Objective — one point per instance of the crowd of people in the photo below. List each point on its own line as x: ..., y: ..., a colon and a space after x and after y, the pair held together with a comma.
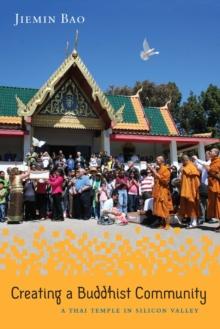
x: 103, y: 187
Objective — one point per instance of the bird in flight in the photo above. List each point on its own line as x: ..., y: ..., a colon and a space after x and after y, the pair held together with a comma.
x: 36, y: 142
x: 147, y: 51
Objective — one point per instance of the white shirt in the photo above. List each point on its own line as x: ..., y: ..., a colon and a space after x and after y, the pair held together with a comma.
x: 108, y: 205
x: 204, y: 174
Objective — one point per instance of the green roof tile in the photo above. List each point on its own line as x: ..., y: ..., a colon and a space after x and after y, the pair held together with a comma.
x: 157, y: 124
x: 8, y: 105
x: 129, y: 115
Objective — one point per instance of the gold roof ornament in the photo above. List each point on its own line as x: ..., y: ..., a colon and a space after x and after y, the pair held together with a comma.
x: 49, y: 87
x: 119, y: 114
x: 21, y: 106
x: 76, y: 38
x: 138, y: 92
x: 166, y: 106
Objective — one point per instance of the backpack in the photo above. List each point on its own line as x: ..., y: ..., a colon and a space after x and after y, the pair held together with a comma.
x: 105, y: 220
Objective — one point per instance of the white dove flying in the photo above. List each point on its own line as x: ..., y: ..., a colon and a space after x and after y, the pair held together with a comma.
x: 147, y: 52
x: 36, y: 142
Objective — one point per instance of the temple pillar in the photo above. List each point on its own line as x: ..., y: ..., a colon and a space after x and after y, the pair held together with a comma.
x: 105, y: 140
x: 27, y: 140
x: 201, y: 151
x: 173, y: 153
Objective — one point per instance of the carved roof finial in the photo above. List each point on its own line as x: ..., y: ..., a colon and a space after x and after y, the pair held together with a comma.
x: 67, y: 48
x: 138, y: 92
x: 168, y: 103
x: 75, y: 52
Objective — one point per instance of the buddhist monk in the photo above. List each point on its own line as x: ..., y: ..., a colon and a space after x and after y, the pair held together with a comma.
x: 213, y: 169
x: 189, y: 191
x: 161, y: 193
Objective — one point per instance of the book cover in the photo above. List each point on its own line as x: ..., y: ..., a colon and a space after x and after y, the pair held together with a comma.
x: 85, y: 76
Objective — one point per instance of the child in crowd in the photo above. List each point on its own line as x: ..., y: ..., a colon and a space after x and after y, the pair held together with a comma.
x: 3, y: 193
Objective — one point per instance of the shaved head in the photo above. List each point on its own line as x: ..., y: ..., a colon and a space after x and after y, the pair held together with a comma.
x: 160, y: 159
x: 214, y: 153
x: 185, y: 159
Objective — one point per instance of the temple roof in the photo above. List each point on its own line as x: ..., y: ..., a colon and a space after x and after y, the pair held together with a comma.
x: 136, y: 119
x: 8, y: 106
x: 133, y: 112
x: 132, y: 109
x: 72, y: 66
x: 161, y: 121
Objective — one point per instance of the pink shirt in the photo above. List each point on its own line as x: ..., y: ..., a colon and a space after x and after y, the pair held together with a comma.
x: 56, y: 184
x: 133, y: 189
x: 103, y: 195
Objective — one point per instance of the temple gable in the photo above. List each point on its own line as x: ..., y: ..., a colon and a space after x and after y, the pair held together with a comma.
x: 68, y: 101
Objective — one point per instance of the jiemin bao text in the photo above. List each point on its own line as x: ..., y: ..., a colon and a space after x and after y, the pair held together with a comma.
x: 62, y: 18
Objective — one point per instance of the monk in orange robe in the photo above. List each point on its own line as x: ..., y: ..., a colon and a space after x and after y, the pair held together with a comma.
x: 189, y: 191
x: 213, y: 169
x: 162, y: 205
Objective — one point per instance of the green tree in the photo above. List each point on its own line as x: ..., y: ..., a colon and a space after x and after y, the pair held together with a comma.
x: 152, y: 94
x: 210, y: 100
x: 192, y: 117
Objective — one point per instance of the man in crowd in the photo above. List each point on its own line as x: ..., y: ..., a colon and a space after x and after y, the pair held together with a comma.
x: 121, y: 184
x: 79, y: 161
x: 110, y: 209
x: 189, y: 191
x: 31, y: 157
x: 203, y: 189
x: 132, y: 168
x: 83, y: 195
x: 214, y: 186
x: 162, y: 204
x: 70, y: 164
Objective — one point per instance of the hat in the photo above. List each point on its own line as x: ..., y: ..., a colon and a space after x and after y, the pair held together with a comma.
x: 93, y: 170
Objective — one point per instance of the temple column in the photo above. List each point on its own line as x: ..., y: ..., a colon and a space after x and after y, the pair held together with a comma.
x: 105, y: 140
x: 27, y: 140
x: 173, y: 154
x: 201, y: 151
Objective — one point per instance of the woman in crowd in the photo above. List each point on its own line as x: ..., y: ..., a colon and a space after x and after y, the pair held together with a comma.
x: 29, y: 196
x: 96, y: 202
x: 133, y: 192
x: 56, y: 183
x: 103, y: 195
x: 41, y: 196
x: 93, y: 161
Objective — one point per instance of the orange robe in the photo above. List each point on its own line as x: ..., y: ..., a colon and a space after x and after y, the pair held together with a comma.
x: 161, y: 194
x: 189, y: 191
x: 213, y: 210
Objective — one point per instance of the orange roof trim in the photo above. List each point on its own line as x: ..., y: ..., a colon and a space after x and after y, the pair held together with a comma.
x: 10, y: 120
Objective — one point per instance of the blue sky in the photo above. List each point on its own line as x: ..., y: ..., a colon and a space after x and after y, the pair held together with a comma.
x: 186, y: 32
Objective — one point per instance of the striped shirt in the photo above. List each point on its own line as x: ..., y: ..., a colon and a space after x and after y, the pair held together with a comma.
x: 146, y: 185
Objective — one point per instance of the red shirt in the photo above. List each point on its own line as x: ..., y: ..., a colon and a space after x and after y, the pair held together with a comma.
x: 41, y: 188
x: 121, y: 183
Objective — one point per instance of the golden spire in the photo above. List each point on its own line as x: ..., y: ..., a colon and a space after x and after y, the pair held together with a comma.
x: 67, y: 48
x: 75, y: 53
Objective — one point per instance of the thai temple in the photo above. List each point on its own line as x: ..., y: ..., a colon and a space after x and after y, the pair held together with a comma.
x: 70, y: 112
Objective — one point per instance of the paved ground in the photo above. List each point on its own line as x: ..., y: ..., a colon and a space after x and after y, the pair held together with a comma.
x: 130, y: 231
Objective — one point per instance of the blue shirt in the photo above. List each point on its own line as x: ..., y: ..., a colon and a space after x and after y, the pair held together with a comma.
x: 70, y: 164
x: 82, y: 182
